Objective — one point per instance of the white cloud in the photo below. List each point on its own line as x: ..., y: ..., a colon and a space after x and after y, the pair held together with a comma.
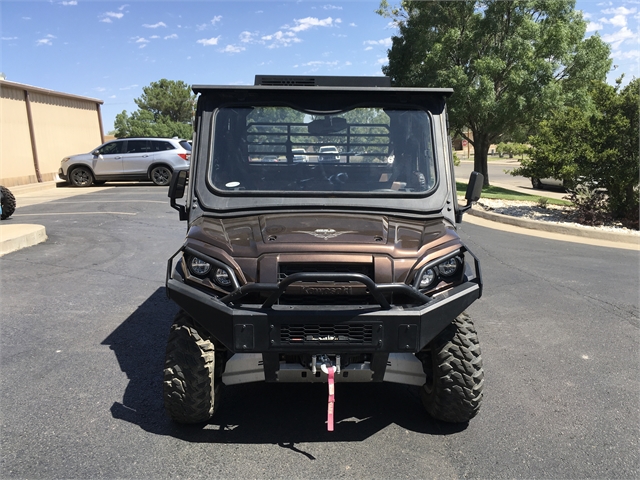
x: 45, y: 41
x: 248, y: 37
x: 155, y: 25
x: 107, y: 16
x: 9, y: 38
x: 280, y: 39
x: 592, y: 26
x: 616, y: 39
x: 69, y: 3
x: 309, y: 22
x: 368, y: 48
x: 142, y: 40
x: 382, y: 61
x: 619, y: 11
x: 628, y: 55
x: 385, y: 42
x: 171, y: 37
x: 216, y: 19
x: 129, y: 87
x: 318, y: 63
x: 208, y: 41
x: 154, y: 37
x: 233, y: 49
x: 353, y: 25
x: 100, y: 89
x: 332, y: 7
x: 617, y: 21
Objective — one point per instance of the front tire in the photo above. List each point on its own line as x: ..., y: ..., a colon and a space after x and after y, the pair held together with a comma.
x: 8, y: 203
x: 455, y: 377
x: 81, y: 177
x: 537, y: 184
x: 160, y: 175
x: 192, y: 380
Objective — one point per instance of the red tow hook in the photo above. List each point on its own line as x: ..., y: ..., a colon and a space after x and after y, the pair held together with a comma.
x: 330, y: 371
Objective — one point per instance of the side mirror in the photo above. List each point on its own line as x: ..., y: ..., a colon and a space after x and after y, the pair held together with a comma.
x: 474, y: 190
x: 474, y: 187
x: 176, y: 190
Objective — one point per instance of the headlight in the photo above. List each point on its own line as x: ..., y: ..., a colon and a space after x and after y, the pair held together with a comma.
x: 445, y: 270
x: 427, y: 278
x: 221, y: 277
x: 449, y: 267
x: 198, y: 267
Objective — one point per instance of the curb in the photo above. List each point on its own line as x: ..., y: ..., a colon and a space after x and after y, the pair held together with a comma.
x: 556, y: 228
x: 16, y: 237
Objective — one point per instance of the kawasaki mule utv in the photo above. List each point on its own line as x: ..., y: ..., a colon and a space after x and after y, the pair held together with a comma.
x: 322, y: 246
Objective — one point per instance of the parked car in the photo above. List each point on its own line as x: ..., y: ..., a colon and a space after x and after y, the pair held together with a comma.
x: 540, y: 183
x: 329, y: 153
x: 126, y: 159
x: 299, y: 155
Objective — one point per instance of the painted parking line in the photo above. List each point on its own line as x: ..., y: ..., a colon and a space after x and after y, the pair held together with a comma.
x: 70, y: 213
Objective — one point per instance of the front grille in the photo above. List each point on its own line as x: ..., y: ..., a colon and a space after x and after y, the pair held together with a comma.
x: 286, y: 269
x: 326, y: 334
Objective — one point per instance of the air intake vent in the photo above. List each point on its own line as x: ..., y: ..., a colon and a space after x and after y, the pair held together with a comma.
x: 284, y: 81
x: 321, y: 81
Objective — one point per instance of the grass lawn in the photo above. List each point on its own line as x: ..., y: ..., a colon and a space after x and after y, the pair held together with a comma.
x: 504, y: 194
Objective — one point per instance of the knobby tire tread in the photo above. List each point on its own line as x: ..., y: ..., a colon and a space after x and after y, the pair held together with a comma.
x: 456, y: 392
x: 191, y: 389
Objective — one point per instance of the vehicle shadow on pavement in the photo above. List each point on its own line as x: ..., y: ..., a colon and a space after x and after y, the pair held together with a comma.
x: 255, y: 413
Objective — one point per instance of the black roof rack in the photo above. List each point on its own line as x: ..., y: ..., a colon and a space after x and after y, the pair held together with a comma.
x: 321, y: 81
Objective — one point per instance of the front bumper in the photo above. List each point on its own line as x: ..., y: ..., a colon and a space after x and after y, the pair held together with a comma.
x: 310, y: 329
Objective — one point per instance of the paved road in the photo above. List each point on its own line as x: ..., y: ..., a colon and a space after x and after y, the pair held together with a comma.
x: 85, y: 319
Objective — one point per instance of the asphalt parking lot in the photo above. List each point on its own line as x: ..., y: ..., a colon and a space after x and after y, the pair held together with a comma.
x: 85, y: 320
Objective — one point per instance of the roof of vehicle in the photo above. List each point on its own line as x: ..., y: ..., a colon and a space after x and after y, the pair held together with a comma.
x: 318, y: 83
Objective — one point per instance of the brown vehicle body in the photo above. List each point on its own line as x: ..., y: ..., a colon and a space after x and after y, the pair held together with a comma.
x: 290, y: 268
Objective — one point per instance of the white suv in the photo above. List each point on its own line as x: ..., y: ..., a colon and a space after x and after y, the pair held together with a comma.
x: 126, y: 159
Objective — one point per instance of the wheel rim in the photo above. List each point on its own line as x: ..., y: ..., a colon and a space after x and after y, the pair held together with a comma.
x: 80, y: 176
x: 161, y: 176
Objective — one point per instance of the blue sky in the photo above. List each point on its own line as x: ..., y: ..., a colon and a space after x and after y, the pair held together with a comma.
x: 110, y: 50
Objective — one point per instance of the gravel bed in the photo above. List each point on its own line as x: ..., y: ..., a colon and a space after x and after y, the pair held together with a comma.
x: 557, y: 214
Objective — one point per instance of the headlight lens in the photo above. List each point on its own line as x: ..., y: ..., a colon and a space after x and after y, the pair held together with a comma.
x: 449, y: 267
x: 199, y: 267
x: 222, y: 278
x: 427, y: 278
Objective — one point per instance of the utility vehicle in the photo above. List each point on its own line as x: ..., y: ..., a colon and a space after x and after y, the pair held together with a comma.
x: 315, y: 271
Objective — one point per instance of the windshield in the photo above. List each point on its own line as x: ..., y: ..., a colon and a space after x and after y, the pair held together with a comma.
x: 280, y: 149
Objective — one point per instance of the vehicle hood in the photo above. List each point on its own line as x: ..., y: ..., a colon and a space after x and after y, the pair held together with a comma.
x: 318, y: 232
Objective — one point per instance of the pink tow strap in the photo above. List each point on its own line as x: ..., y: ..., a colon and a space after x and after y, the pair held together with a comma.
x: 332, y: 398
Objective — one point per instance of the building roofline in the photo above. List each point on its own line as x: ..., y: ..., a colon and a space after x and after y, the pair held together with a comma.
x: 31, y: 88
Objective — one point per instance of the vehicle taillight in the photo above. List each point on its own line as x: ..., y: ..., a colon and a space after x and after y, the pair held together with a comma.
x: 185, y: 156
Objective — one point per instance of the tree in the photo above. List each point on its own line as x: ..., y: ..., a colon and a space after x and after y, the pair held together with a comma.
x: 165, y: 109
x: 510, y: 63
x: 598, y: 147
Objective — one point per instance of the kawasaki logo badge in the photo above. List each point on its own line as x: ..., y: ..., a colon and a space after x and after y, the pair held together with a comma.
x: 325, y: 233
